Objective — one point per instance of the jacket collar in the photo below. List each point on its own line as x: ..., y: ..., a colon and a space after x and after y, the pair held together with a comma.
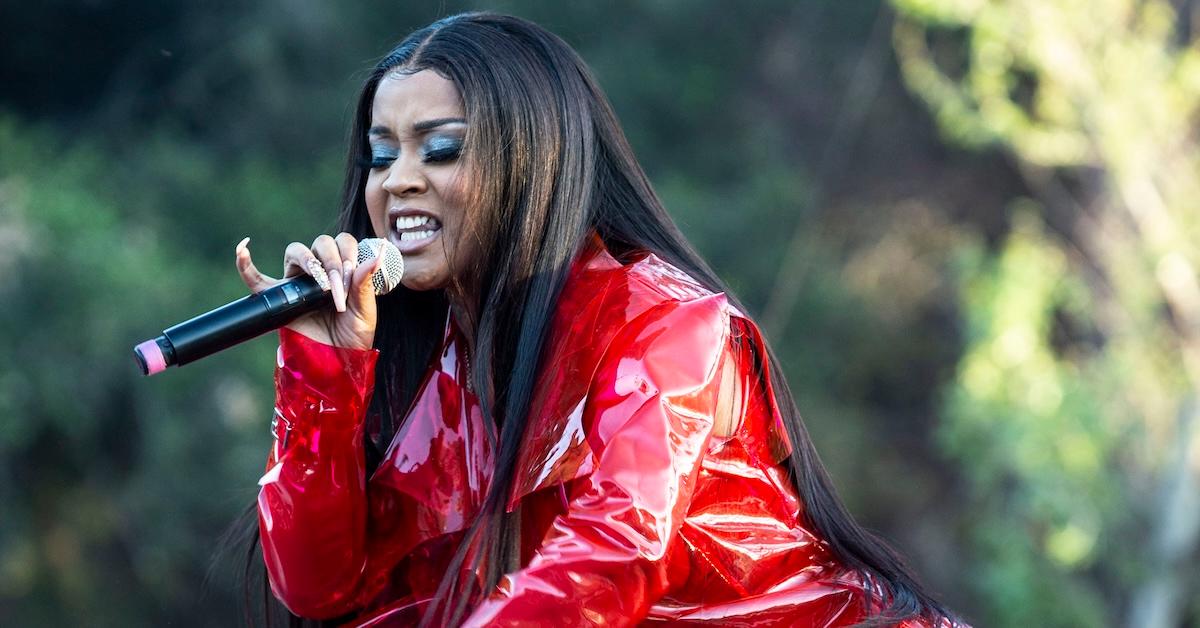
x: 555, y: 447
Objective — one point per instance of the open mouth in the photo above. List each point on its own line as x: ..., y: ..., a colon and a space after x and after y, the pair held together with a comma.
x: 413, y: 230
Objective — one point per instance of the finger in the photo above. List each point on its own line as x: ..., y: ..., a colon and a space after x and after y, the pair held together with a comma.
x: 255, y: 280
x: 362, y: 291
x: 348, y: 246
x: 298, y: 259
x: 326, y: 250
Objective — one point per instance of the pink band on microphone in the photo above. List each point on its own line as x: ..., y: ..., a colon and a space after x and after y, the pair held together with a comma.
x: 152, y: 354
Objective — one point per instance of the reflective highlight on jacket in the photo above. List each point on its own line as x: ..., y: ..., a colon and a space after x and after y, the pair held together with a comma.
x: 651, y: 481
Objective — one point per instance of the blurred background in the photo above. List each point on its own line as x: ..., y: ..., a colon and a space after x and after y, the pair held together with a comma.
x: 969, y: 226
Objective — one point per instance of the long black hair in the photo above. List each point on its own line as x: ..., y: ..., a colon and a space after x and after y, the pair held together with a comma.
x: 551, y: 166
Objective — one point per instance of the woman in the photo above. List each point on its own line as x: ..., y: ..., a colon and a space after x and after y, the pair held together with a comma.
x: 562, y: 417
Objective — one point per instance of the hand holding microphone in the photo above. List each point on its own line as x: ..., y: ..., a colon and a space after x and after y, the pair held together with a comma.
x: 336, y: 265
x: 330, y: 286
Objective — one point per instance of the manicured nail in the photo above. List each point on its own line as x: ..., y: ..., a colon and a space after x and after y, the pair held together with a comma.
x: 339, y: 290
x: 318, y: 272
x: 347, y: 273
x: 373, y: 278
x: 245, y: 241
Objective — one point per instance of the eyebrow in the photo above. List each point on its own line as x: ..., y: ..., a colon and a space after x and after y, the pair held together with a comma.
x: 423, y: 125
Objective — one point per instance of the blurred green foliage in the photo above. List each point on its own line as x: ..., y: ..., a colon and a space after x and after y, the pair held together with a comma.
x: 115, y: 490
x: 1074, y: 408
x: 1033, y: 430
x: 955, y: 361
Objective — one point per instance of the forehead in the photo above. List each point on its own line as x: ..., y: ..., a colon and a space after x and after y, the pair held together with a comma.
x: 404, y: 99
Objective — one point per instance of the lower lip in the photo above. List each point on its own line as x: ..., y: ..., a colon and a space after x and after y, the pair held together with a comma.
x: 413, y: 246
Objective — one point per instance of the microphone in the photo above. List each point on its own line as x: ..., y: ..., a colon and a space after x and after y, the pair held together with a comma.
x: 254, y: 315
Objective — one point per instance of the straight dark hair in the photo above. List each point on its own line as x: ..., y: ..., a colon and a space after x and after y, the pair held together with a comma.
x: 551, y: 165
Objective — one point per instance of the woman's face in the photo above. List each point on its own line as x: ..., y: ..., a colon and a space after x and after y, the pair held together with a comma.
x: 416, y: 189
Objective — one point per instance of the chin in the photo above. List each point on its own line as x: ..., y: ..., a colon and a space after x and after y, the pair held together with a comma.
x: 421, y: 282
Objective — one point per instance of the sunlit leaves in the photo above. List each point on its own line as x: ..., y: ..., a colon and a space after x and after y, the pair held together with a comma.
x: 1055, y: 429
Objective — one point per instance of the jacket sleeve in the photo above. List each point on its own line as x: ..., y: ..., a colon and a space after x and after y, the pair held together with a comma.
x: 312, y: 503
x: 648, y: 416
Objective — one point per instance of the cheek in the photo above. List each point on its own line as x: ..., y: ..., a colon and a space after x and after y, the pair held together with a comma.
x: 455, y: 191
x: 464, y: 228
x: 376, y: 199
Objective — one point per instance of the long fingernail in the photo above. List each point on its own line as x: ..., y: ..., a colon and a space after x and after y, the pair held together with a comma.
x: 245, y: 241
x: 339, y: 290
x: 318, y: 272
x: 347, y: 274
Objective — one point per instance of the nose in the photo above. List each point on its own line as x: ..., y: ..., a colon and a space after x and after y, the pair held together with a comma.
x: 405, y: 177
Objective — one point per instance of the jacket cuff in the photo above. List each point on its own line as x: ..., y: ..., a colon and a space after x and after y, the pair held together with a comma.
x: 313, y: 379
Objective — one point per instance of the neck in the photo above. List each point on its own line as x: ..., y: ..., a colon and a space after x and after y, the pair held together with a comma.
x: 462, y: 316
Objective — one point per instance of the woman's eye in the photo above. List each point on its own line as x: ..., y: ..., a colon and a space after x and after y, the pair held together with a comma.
x: 380, y: 158
x: 441, y: 149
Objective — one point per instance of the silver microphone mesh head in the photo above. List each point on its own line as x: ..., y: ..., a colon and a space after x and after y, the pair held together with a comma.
x: 389, y: 273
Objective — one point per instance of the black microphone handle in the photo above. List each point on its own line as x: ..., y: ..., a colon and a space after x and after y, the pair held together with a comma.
x: 241, y: 320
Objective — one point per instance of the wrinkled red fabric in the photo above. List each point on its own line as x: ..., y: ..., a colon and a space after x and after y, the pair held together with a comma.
x: 651, y: 481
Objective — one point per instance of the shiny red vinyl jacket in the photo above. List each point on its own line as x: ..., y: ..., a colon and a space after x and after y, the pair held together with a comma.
x: 652, y: 484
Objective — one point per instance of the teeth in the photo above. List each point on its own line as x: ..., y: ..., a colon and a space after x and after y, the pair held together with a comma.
x: 408, y: 222
x: 414, y: 235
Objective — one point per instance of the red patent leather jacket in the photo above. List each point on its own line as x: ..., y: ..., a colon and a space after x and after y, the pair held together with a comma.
x: 651, y: 482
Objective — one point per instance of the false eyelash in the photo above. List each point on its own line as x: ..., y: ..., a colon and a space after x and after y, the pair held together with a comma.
x: 442, y: 154
x: 369, y: 163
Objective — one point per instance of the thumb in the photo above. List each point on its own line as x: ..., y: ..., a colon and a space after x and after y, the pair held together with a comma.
x: 255, y: 280
x: 361, y: 295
